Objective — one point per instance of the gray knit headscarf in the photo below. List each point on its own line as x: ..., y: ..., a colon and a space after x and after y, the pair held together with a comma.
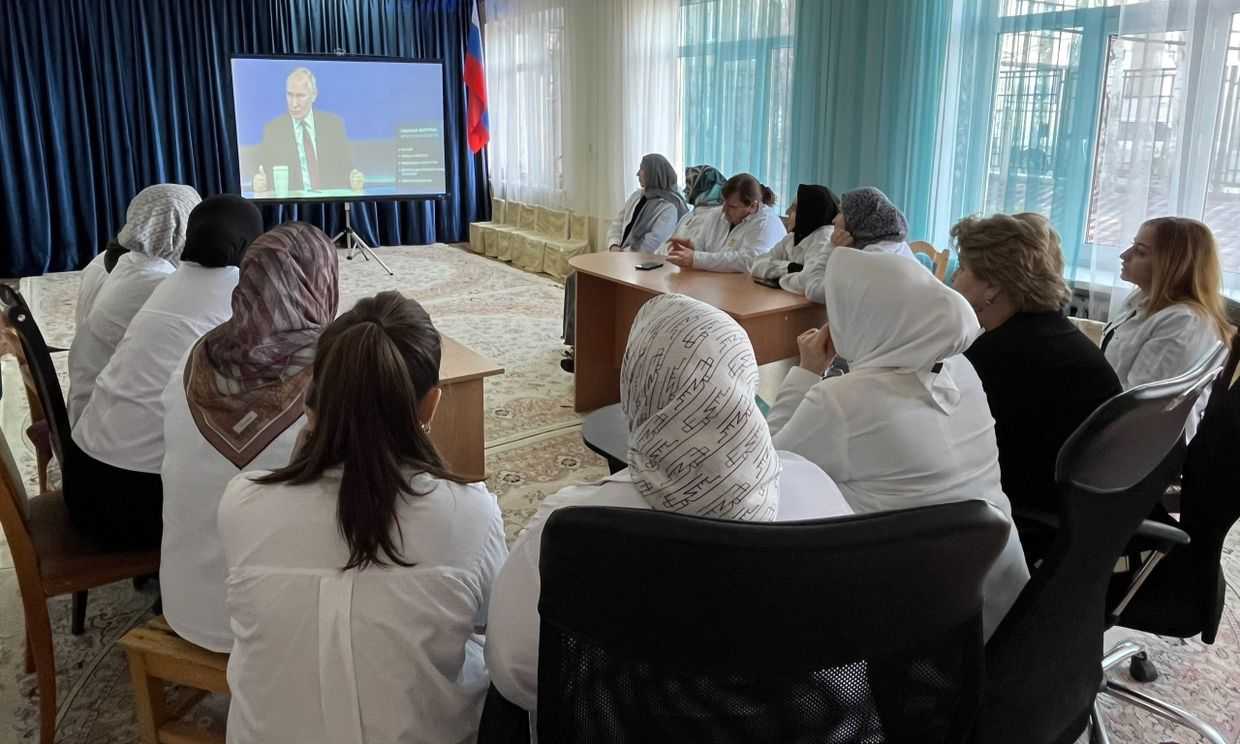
x: 156, y: 221
x: 870, y: 217
x: 661, y: 182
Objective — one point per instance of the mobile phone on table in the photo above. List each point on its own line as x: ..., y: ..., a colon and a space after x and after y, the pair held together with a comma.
x: 772, y: 283
x: 648, y: 265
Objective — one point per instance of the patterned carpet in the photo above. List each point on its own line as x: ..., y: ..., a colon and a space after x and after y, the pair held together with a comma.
x: 533, y: 449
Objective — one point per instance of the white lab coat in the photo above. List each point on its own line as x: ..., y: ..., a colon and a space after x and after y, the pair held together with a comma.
x: 774, y: 265
x: 192, y: 574
x: 92, y: 280
x: 664, y: 219
x: 909, y: 425
x: 718, y: 246
x: 383, y: 654
x: 512, y: 632
x: 123, y: 423
x: 1147, y: 348
x: 124, y: 292
x: 815, y: 274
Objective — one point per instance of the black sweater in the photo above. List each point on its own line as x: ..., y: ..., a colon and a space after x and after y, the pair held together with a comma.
x: 1042, y: 377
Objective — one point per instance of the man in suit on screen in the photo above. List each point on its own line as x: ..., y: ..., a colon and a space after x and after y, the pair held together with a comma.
x: 310, y: 142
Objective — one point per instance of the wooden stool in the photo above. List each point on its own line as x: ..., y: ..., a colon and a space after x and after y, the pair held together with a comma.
x: 157, y: 655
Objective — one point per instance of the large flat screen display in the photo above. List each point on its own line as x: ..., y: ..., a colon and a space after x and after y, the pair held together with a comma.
x: 336, y: 128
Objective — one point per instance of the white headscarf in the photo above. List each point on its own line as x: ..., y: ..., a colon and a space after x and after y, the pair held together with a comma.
x: 890, y: 313
x: 156, y: 221
x: 697, y: 442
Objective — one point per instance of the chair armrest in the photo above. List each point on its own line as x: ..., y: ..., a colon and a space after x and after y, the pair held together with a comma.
x: 1166, y: 536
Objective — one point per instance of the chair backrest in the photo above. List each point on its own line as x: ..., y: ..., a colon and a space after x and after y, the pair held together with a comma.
x: 513, y: 212
x: 14, y: 519
x: 665, y: 627
x: 497, y: 209
x: 42, y: 371
x: 529, y: 217
x: 1043, y: 664
x: 579, y: 227
x: 938, y: 259
x: 554, y: 224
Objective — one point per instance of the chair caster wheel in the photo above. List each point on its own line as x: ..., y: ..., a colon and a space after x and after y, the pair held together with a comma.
x: 1142, y: 669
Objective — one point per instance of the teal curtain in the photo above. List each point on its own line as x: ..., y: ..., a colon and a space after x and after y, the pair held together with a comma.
x: 866, y: 97
x: 736, y: 65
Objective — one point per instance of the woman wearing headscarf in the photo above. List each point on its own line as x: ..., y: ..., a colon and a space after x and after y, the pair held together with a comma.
x: 236, y: 404
x: 646, y: 220
x: 867, y: 221
x: 704, y: 186
x: 152, y: 239
x: 811, y: 219
x: 122, y: 426
x: 908, y: 425
x: 687, y: 387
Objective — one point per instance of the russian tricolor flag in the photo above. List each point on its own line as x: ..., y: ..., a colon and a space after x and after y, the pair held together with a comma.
x: 479, y: 131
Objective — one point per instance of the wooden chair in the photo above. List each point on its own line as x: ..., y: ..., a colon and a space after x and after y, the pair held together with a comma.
x: 51, y: 560
x: 157, y: 655
x: 938, y: 259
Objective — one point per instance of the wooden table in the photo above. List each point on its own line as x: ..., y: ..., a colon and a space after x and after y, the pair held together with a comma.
x: 610, y: 291
x: 457, y: 427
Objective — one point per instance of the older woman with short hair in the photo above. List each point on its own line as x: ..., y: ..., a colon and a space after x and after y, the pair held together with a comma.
x: 1042, y: 376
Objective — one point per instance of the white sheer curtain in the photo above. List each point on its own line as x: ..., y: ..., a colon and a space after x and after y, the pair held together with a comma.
x: 579, y: 91
x: 526, y: 69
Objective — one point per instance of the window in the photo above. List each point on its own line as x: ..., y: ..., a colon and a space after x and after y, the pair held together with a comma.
x: 1103, y: 113
x: 736, y: 59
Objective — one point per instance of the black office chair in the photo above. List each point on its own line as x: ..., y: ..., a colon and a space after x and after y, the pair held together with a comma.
x: 1180, y: 590
x: 51, y: 399
x: 1042, y: 664
x: 660, y: 627
x: 606, y: 433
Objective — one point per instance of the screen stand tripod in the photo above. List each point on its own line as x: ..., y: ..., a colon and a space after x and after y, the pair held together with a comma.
x: 354, y: 242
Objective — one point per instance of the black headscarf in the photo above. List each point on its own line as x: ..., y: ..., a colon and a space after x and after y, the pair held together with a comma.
x: 220, y: 229
x: 816, y: 207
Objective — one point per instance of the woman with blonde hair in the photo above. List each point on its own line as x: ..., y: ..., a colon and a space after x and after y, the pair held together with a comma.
x: 1011, y: 273
x: 1176, y: 315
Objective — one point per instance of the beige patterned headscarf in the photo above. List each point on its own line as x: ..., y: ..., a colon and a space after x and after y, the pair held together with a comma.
x: 698, y: 444
x: 156, y: 221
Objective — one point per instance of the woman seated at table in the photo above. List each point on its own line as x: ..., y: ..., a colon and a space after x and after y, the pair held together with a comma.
x: 1176, y: 315
x: 689, y: 407
x: 153, y: 236
x: 1042, y: 376
x: 703, y: 186
x: 732, y: 236
x: 119, y: 438
x: 358, y: 573
x: 811, y: 220
x: 235, y: 403
x: 868, y: 221
x: 908, y: 425
x: 646, y: 220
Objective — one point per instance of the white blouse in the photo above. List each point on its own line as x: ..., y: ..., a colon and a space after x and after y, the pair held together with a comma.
x: 775, y: 264
x: 814, y: 280
x: 192, y: 573
x: 88, y: 289
x: 384, y: 654
x: 664, y: 222
x: 124, y: 291
x: 879, y: 437
x: 123, y: 423
x: 512, y: 634
x: 718, y: 246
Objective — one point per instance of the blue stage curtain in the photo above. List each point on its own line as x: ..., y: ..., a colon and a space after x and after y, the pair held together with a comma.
x: 102, y: 98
